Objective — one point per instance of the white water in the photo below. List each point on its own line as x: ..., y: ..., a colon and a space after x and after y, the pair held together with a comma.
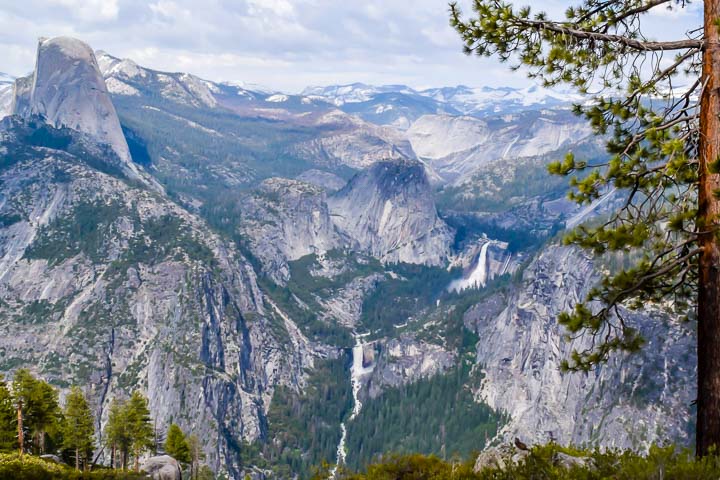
x: 478, y: 277
x: 357, y: 371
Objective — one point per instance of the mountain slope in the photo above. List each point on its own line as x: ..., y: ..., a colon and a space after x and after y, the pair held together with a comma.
x: 109, y: 284
x: 389, y: 211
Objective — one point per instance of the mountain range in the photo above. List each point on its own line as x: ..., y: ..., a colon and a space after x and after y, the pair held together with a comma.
x: 299, y: 278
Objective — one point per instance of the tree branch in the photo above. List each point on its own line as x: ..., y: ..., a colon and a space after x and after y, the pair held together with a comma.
x: 609, y: 38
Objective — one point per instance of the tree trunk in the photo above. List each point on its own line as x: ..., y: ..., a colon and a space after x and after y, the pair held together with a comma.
x: 137, y: 460
x: 77, y: 459
x: 708, y: 394
x: 112, y: 457
x: 21, y: 437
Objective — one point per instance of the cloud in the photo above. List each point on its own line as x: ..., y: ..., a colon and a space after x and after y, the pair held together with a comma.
x: 285, y: 44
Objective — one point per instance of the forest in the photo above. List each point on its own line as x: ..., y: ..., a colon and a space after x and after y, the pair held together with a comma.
x: 42, y: 437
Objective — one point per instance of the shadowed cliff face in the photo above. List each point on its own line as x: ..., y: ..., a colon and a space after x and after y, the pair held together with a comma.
x: 389, y: 211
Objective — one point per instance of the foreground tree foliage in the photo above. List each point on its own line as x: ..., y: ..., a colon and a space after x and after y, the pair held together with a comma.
x: 129, y: 430
x: 27, y: 467
x: 77, y: 428
x: 661, y: 463
x: 38, y: 412
x: 32, y: 422
x: 658, y: 105
x: 176, y: 445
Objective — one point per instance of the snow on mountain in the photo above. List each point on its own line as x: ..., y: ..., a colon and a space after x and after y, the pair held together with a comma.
x: 468, y: 100
x: 6, y: 92
x: 455, y: 146
x: 354, y: 93
x: 6, y: 79
x: 495, y: 100
x: 277, y: 98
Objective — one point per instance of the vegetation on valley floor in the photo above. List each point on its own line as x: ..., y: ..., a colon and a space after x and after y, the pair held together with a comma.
x: 304, y: 427
x: 541, y: 463
x: 436, y: 415
x: 33, y: 423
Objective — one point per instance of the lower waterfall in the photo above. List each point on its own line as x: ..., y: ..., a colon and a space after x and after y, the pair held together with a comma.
x: 357, y: 371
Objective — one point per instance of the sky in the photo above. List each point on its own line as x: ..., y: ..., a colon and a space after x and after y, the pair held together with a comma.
x: 280, y: 44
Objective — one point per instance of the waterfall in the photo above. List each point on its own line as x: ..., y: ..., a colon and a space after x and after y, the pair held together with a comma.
x: 478, y: 277
x: 357, y: 371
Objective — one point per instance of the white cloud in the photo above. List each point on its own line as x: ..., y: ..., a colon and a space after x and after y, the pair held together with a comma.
x: 285, y: 44
x: 91, y: 10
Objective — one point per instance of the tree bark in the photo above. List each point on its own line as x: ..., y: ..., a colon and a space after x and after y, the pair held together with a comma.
x: 21, y: 437
x: 708, y: 393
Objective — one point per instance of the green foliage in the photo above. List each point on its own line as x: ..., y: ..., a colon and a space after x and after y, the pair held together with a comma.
x: 308, y: 288
x: 129, y: 429
x: 436, y: 415
x: 117, y: 436
x: 83, y: 230
x: 78, y: 427
x: 651, y: 125
x: 8, y: 418
x: 410, y: 289
x: 38, y: 402
x: 304, y: 428
x: 665, y: 463
x: 28, y: 467
x: 139, y: 425
x: 176, y: 444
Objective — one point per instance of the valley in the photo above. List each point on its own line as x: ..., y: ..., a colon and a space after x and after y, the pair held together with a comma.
x: 322, y: 276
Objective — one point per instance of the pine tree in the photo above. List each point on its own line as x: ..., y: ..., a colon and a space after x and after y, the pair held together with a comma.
x: 664, y: 147
x: 37, y: 409
x: 44, y: 413
x: 8, y: 418
x: 196, y: 454
x: 139, y: 426
x: 78, y: 426
x: 117, y: 436
x: 176, y: 444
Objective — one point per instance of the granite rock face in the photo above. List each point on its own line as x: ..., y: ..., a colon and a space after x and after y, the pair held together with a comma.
x: 67, y: 90
x: 388, y: 210
x: 285, y: 220
x: 628, y: 403
x: 162, y: 467
x: 116, y: 287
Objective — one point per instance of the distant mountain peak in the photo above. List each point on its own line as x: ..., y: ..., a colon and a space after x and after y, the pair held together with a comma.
x: 67, y: 89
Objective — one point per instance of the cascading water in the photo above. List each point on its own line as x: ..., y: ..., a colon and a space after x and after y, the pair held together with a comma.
x: 357, y: 371
x: 478, y: 277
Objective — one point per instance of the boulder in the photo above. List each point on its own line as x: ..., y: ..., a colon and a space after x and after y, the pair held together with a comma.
x: 491, y: 458
x: 520, y: 456
x: 564, y: 460
x: 52, y: 458
x: 163, y: 467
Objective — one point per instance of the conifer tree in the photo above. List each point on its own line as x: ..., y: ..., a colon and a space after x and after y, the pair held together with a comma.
x: 78, y: 428
x: 658, y: 104
x: 37, y: 409
x: 8, y: 418
x: 196, y: 454
x: 139, y: 426
x: 117, y: 436
x: 176, y: 444
x: 44, y: 413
